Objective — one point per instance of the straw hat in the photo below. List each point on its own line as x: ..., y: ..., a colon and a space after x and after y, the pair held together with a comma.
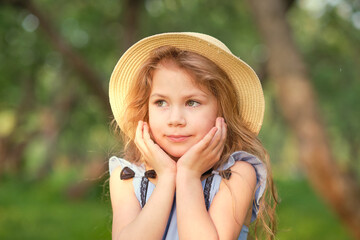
x: 243, y: 77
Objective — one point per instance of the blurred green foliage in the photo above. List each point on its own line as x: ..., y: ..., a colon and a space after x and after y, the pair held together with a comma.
x: 304, y: 216
x: 40, y: 211
x: 32, y: 71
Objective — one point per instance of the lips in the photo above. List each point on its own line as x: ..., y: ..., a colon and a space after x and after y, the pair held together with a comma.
x: 178, y: 138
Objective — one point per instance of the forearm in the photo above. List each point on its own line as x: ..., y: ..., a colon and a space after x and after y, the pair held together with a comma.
x: 152, y: 219
x: 194, y: 222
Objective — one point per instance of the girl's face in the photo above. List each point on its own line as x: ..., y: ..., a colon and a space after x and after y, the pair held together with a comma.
x: 180, y: 113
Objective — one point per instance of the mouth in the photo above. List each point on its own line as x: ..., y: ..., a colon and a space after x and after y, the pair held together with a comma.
x: 177, y: 138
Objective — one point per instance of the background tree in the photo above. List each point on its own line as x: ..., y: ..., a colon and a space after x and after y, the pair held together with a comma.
x: 298, y: 101
x: 56, y: 59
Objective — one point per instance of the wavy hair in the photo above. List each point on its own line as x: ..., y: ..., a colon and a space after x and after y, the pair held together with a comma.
x: 206, y: 74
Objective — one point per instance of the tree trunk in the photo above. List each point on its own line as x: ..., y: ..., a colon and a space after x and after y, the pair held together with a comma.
x: 12, y: 146
x: 297, y: 99
x: 54, y: 119
x: 131, y: 22
x: 88, y: 75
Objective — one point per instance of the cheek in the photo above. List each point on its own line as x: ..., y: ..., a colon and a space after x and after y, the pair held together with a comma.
x: 208, y: 125
x: 205, y: 125
x: 154, y: 124
x: 151, y: 115
x: 153, y: 119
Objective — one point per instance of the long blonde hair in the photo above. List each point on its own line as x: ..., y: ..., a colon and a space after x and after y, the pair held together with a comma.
x: 239, y: 137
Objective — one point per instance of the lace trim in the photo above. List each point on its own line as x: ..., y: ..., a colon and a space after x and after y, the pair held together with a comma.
x: 207, y: 189
x: 143, y: 190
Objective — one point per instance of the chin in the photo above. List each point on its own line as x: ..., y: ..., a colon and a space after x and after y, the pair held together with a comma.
x: 176, y: 154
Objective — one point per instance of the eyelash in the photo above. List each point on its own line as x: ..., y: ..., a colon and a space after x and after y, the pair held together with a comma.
x: 193, y: 101
x: 160, y: 102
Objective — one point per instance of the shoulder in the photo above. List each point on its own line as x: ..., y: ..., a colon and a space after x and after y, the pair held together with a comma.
x: 119, y: 188
x: 115, y: 162
x: 115, y: 175
x: 247, y: 167
x: 242, y: 182
x: 242, y: 166
x: 121, y: 191
x: 243, y: 172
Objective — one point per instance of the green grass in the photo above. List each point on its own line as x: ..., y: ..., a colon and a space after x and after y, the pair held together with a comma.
x: 41, y: 211
x: 38, y: 211
x: 302, y: 215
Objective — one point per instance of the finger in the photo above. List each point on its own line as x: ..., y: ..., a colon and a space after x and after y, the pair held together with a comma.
x: 146, y: 133
x: 217, y: 137
x: 139, y: 140
x: 224, y: 132
x: 204, y: 143
x: 151, y: 146
x: 138, y: 133
x: 222, y: 140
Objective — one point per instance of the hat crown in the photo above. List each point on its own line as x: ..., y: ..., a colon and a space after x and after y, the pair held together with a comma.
x: 210, y: 39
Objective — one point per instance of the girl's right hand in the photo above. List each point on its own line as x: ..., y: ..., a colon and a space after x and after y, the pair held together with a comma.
x: 151, y: 152
x: 203, y: 155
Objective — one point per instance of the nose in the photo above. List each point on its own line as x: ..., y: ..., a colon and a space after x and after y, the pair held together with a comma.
x: 176, y: 117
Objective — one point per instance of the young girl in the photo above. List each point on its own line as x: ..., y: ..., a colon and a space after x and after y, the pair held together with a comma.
x: 189, y: 112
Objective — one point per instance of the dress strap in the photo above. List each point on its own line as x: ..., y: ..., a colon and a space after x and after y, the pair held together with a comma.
x: 143, y: 190
x: 207, y: 189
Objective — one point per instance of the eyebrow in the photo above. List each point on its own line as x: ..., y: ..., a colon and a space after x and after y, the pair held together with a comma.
x: 157, y: 95
x: 185, y: 97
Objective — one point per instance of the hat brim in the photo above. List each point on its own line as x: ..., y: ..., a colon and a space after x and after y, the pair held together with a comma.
x: 243, y: 77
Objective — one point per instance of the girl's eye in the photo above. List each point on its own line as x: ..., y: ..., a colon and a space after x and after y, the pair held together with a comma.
x: 160, y: 103
x: 192, y: 103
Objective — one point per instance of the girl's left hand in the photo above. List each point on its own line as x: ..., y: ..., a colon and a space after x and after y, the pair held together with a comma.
x: 204, y: 154
x: 153, y: 155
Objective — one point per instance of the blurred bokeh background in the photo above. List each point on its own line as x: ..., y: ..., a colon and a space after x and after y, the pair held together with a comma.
x: 56, y: 58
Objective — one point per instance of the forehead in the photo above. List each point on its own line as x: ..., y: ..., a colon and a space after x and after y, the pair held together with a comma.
x: 168, y: 74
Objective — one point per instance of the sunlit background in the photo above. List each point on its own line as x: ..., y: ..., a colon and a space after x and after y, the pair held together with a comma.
x: 56, y: 58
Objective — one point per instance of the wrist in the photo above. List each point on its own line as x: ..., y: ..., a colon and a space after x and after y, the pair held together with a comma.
x: 167, y: 174
x: 187, y: 174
